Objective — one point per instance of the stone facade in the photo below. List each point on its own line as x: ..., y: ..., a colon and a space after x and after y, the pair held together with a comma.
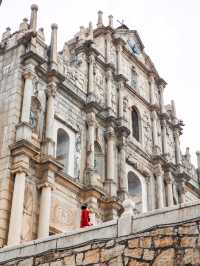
x: 86, y: 124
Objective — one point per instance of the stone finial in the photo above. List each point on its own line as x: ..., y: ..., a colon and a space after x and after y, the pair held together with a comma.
x: 110, y: 19
x: 90, y: 31
x: 33, y: 19
x: 53, y: 45
x: 100, y: 19
x: 198, y: 159
x: 6, y: 34
x: 24, y: 25
x: 66, y: 52
x: 82, y: 33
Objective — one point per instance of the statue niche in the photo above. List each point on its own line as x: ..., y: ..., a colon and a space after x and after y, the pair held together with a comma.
x: 36, y: 115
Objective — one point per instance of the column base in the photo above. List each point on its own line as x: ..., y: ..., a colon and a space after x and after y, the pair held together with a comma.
x: 111, y: 188
x: 48, y: 147
x: 23, y: 131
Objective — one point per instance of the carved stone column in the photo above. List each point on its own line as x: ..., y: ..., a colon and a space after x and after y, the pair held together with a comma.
x: 152, y: 88
x: 160, y: 186
x: 108, y: 47
x: 164, y: 137
x: 45, y: 209
x: 121, y: 94
x: 28, y: 92
x: 91, y: 176
x: 156, y: 148
x: 119, y: 59
x: 109, y: 88
x: 182, y: 191
x: 33, y: 19
x: 16, y: 216
x: 177, y: 147
x: 169, y: 192
x: 152, y: 194
x: 123, y: 180
x: 91, y: 61
x: 162, y: 84
x: 110, y: 181
x: 53, y: 47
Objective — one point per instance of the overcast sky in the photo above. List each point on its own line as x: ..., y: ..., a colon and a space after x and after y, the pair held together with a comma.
x: 169, y: 30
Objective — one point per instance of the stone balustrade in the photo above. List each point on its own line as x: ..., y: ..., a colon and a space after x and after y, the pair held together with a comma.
x: 162, y: 237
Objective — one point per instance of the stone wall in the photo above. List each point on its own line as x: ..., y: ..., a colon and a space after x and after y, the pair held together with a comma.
x: 175, y: 243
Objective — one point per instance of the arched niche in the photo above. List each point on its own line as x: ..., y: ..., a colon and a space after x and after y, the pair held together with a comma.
x: 136, y: 126
x: 135, y: 190
x: 98, y: 160
x: 36, y: 116
x: 62, y: 151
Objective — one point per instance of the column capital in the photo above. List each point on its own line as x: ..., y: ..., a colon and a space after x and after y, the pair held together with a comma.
x: 161, y: 84
x: 168, y: 178
x: 46, y: 184
x: 91, y: 59
x: 108, y: 74
x: 91, y: 119
x: 51, y: 89
x: 158, y: 170
x: 28, y: 72
x: 110, y: 132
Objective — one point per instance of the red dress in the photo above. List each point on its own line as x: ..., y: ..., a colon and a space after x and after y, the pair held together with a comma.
x: 85, y: 218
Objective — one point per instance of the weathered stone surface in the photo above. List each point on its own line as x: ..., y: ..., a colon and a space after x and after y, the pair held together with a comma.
x: 83, y: 248
x: 165, y: 258
x: 134, y: 243
x: 188, y: 241
x: 192, y: 256
x: 92, y: 256
x: 56, y: 263
x: 108, y: 254
x: 137, y: 263
x: 69, y: 261
x: 26, y: 262
x: 134, y: 253
x: 145, y: 242
x: 115, y: 262
x: 79, y: 259
x: 163, y: 242
x: 188, y: 230
x: 148, y: 254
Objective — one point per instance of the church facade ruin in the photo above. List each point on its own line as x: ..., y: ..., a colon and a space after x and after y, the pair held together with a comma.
x: 87, y: 124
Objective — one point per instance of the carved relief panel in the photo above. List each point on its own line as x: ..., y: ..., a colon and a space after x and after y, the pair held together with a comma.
x: 147, y: 132
x: 170, y: 144
x: 100, y: 86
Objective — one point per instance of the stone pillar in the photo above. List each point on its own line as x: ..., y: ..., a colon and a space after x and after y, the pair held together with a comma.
x: 45, y: 209
x: 16, y: 216
x: 160, y: 187
x: 51, y: 92
x: 119, y: 59
x: 53, y: 47
x: 109, y: 89
x: 181, y: 185
x: 108, y: 48
x: 33, y: 19
x: 28, y: 92
x: 91, y: 74
x: 177, y: 147
x: 91, y: 121
x: 111, y: 184
x: 110, y: 19
x: 152, y: 88
x: 123, y: 180
x: 164, y: 137
x: 152, y: 192
x: 162, y: 85
x: 120, y: 105
x: 198, y: 162
x: 169, y: 192
x: 100, y: 19
x: 155, y: 133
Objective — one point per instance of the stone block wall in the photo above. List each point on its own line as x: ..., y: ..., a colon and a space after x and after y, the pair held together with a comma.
x: 171, y: 245
x: 176, y: 243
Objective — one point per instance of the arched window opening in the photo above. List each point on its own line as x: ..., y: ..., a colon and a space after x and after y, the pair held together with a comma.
x: 98, y: 160
x: 62, y: 152
x: 135, y: 124
x: 135, y: 191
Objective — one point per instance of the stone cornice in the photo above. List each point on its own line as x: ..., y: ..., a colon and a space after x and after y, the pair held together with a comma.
x: 68, y: 182
x: 24, y: 147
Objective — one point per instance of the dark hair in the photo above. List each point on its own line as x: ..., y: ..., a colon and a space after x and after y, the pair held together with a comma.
x: 84, y: 206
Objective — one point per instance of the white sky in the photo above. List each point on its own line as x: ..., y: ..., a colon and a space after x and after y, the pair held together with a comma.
x: 169, y: 30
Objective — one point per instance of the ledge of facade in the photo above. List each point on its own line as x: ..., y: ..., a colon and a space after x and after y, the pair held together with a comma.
x: 24, y: 147
x: 31, y: 55
x: 68, y: 182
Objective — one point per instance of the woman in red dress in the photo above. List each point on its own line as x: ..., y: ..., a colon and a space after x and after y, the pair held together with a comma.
x: 85, y: 216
